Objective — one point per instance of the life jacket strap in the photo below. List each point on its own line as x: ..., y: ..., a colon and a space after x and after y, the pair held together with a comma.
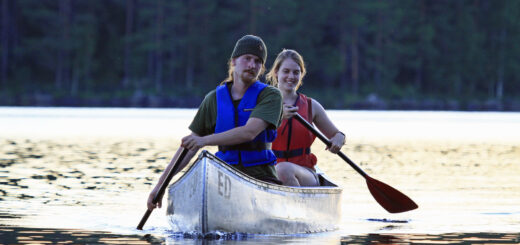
x: 247, y: 146
x: 292, y: 153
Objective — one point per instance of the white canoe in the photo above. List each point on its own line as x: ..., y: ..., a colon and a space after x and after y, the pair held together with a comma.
x: 211, y: 196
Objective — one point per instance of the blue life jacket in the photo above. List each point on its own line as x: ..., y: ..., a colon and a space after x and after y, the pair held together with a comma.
x: 256, y: 152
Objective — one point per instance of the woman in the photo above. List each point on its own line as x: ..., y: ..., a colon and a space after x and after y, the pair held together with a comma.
x: 296, y: 163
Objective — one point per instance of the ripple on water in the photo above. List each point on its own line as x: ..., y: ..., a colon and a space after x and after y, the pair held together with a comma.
x: 448, y: 238
x: 17, y: 235
x: 94, y: 176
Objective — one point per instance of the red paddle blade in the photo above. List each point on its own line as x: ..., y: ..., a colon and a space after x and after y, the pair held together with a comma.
x: 389, y: 198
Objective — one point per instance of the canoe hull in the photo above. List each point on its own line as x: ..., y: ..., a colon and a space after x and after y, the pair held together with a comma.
x: 212, y: 196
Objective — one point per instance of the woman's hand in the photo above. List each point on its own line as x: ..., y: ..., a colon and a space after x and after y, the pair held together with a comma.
x: 337, y: 142
x: 150, y: 203
x: 193, y: 142
x: 289, y: 111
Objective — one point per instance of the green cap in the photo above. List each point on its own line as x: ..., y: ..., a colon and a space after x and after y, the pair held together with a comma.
x: 250, y: 44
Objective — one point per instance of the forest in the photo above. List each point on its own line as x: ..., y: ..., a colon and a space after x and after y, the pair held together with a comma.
x: 371, y: 54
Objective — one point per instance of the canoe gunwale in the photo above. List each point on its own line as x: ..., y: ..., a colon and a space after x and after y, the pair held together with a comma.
x: 267, y: 185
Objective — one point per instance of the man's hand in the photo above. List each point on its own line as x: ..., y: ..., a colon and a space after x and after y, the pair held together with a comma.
x: 193, y: 142
x: 150, y: 203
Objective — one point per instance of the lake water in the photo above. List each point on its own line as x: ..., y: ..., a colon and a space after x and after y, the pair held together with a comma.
x: 82, y: 175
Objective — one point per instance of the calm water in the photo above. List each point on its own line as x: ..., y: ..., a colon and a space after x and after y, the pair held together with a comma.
x: 83, y: 176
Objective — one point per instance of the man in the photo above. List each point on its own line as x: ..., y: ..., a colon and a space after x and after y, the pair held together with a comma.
x: 240, y: 116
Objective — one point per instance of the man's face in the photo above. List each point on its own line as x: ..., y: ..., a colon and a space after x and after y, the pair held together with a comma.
x: 247, y: 67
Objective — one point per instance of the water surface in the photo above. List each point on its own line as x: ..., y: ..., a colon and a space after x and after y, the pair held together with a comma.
x: 83, y: 175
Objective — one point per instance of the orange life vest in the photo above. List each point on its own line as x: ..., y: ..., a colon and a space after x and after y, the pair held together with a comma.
x: 293, y: 141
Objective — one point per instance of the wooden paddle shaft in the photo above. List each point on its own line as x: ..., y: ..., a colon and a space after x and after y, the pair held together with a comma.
x: 164, y: 185
x: 328, y: 143
x: 144, y: 219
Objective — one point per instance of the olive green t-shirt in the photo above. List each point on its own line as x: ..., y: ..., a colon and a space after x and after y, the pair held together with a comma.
x: 268, y: 108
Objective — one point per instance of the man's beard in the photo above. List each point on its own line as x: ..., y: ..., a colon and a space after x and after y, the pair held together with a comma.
x: 249, y: 76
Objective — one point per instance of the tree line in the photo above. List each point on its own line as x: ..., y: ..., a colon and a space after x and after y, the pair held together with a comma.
x: 431, y: 54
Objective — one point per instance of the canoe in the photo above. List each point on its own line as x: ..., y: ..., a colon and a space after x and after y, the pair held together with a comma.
x: 211, y: 196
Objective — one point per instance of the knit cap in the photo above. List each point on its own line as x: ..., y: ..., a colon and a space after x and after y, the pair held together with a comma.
x: 250, y: 44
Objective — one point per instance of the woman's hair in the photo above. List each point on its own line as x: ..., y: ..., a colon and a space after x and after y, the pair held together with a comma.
x: 272, y: 75
x: 231, y: 69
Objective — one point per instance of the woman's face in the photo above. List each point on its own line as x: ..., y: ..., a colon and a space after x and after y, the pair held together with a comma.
x: 289, y: 75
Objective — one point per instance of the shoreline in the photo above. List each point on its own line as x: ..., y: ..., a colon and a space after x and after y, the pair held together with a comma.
x: 154, y: 101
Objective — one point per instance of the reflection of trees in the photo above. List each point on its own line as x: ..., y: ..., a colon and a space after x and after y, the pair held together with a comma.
x: 447, y: 238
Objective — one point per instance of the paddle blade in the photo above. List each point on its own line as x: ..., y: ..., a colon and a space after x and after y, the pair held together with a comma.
x: 389, y: 198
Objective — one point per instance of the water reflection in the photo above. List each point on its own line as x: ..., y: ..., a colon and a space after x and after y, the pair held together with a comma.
x: 19, y: 235
x: 449, y: 238
x: 51, y: 168
x: 44, y: 182
x: 86, y: 187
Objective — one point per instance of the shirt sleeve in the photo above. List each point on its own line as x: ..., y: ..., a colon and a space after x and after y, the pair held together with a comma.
x: 269, y: 107
x: 206, y: 118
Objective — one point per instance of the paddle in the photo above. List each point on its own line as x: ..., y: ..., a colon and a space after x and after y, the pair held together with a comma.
x: 389, y: 198
x: 169, y: 177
